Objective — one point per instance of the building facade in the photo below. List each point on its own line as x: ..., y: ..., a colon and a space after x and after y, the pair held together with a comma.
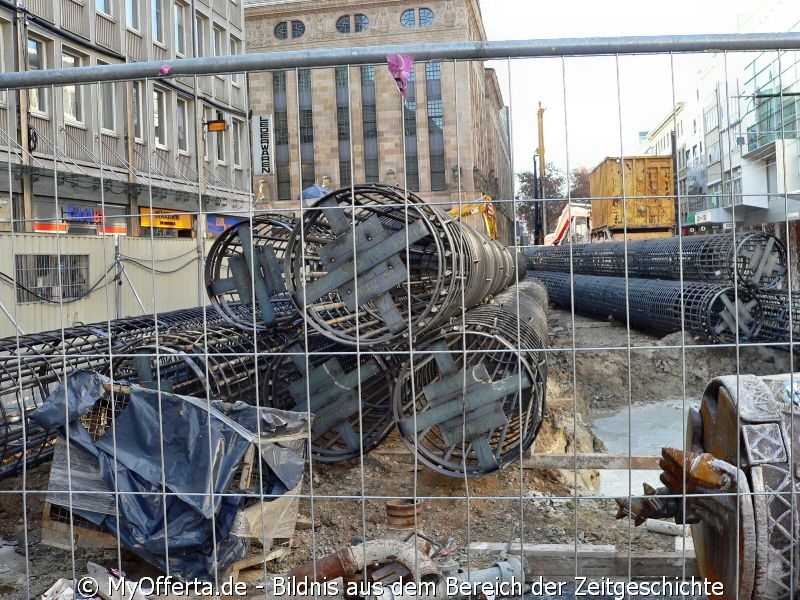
x: 129, y: 157
x: 448, y: 141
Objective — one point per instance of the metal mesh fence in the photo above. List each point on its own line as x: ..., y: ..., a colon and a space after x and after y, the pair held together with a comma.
x: 393, y: 383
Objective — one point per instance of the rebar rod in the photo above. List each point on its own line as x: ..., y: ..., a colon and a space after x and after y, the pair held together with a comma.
x: 753, y: 260
x: 719, y: 313
x: 473, y: 402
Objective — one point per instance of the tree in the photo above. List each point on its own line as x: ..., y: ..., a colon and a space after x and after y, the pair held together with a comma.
x: 553, y: 189
x: 579, y: 184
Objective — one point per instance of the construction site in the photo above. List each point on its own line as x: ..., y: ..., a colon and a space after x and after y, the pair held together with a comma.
x: 379, y: 389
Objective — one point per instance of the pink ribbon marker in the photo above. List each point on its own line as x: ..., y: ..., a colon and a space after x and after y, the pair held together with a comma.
x: 400, y: 66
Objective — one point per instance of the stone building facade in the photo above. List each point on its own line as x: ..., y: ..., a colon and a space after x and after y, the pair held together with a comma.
x: 347, y: 123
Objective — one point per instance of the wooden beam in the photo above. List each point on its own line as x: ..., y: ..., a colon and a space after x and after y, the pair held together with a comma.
x: 556, y: 561
x: 592, y: 460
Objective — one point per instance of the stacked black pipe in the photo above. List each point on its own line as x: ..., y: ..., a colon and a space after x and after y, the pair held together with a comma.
x: 710, y: 285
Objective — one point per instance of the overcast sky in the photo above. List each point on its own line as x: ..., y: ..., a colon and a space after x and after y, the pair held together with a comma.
x: 587, y: 126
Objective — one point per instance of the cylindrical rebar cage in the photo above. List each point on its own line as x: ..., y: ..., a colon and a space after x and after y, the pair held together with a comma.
x: 31, y: 366
x: 781, y: 321
x: 723, y: 314
x: 369, y: 264
x: 219, y: 362
x: 752, y: 260
x: 472, y: 400
x: 348, y: 393
x: 244, y: 272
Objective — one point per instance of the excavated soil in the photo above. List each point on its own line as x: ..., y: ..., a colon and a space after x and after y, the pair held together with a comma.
x: 592, y: 370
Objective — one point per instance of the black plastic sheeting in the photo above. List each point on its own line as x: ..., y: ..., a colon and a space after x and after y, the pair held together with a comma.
x: 163, y: 442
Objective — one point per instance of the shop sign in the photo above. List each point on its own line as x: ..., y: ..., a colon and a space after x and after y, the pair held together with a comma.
x: 162, y: 218
x: 263, y: 143
x: 81, y: 214
x: 217, y: 224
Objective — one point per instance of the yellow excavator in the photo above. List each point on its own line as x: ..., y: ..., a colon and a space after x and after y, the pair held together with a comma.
x: 481, y: 206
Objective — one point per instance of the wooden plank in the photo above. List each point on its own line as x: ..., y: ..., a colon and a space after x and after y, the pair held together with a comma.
x: 554, y: 561
x: 58, y: 534
x: 592, y: 460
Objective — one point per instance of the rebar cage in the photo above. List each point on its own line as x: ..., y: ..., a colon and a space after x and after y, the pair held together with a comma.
x: 393, y: 375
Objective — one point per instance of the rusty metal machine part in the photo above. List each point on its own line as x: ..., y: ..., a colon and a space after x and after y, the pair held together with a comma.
x: 31, y: 366
x: 717, y: 312
x: 476, y: 398
x: 755, y: 260
x: 348, y: 393
x: 244, y: 273
x: 373, y: 264
x: 737, y: 482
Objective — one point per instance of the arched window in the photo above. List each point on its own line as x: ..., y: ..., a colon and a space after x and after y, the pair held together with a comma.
x: 425, y: 17
x: 416, y: 16
x: 282, y: 30
x: 408, y: 18
x: 298, y: 29
x: 359, y: 23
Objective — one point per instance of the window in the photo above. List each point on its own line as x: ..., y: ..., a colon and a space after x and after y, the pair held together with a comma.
x: 345, y: 180
x: 306, y: 126
x: 371, y: 174
x: 298, y: 29
x: 279, y: 82
x: 341, y: 78
x: 360, y: 23
x: 284, y: 182
x: 37, y: 97
x: 304, y: 80
x: 180, y: 28
x: 281, y: 128
x: 343, y: 24
x: 107, y: 114
x: 158, y: 21
x: 73, y: 107
x: 221, y: 154
x: 160, y: 117
x: 435, y: 117
x: 368, y: 75
x: 236, y: 135
x: 236, y: 48
x: 343, y: 122
x: 433, y: 71
x: 44, y: 277
x: 412, y: 17
x: 216, y: 39
x: 370, y: 122
x: 425, y: 17
x: 183, y: 125
x: 282, y: 30
x: 200, y: 23
x: 138, y: 114
x: 103, y: 6
x: 132, y: 14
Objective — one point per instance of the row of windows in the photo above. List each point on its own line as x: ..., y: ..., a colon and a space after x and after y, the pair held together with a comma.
x: 413, y: 17
x: 182, y: 27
